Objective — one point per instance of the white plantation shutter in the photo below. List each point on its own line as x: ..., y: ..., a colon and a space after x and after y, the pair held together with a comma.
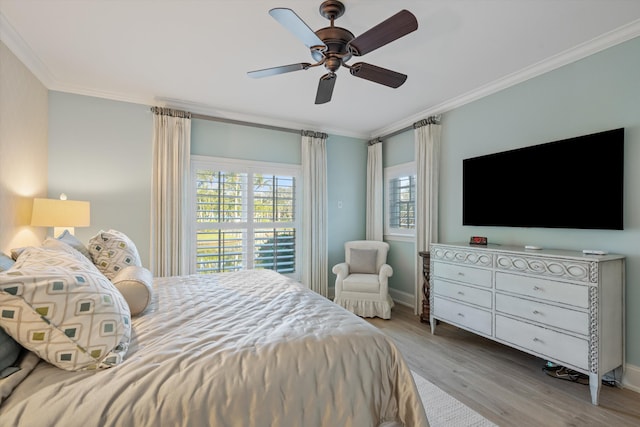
x: 245, y: 216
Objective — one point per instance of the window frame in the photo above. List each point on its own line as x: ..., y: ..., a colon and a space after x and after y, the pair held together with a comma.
x: 390, y: 173
x: 249, y: 167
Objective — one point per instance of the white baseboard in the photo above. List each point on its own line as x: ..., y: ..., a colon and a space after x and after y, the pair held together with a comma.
x: 402, y: 298
x: 631, y: 378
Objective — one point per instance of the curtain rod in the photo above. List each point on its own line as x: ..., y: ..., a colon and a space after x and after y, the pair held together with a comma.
x: 381, y: 139
x: 435, y: 119
x: 298, y: 131
x: 243, y: 123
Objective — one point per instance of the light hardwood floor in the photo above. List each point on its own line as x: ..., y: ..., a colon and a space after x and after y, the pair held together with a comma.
x: 505, y: 385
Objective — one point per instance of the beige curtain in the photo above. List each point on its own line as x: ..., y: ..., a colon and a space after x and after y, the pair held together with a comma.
x: 374, y: 218
x: 170, y: 223
x: 427, y: 154
x: 314, y: 208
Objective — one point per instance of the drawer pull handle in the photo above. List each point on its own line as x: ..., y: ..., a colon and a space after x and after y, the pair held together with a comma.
x: 538, y: 340
x: 536, y: 312
x: 460, y: 314
x: 460, y: 273
x: 537, y: 288
x: 460, y: 293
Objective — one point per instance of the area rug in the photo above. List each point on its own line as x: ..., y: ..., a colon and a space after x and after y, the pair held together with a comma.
x: 446, y: 411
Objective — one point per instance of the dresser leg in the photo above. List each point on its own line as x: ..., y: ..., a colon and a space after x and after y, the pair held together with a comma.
x: 594, y: 385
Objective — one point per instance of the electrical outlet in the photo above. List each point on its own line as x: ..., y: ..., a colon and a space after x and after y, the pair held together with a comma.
x: 339, y: 204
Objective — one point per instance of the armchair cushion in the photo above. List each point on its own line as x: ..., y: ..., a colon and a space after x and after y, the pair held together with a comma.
x: 363, y: 261
x: 361, y: 283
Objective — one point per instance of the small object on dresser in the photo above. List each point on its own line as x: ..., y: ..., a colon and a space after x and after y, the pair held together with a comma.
x: 478, y: 240
x: 532, y: 247
x: 593, y: 252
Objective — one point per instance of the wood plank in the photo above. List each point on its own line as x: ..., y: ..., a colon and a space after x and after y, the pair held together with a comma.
x: 503, y: 384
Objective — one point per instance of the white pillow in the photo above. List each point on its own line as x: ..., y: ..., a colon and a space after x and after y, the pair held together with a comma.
x: 112, y: 251
x: 58, y: 305
x: 134, y: 283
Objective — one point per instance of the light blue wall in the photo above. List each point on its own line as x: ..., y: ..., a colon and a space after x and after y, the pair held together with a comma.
x: 598, y: 93
x: 403, y: 256
x: 100, y: 150
x: 346, y: 187
x: 211, y: 138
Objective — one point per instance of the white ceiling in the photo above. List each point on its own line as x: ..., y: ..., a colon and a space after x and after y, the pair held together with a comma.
x: 194, y: 54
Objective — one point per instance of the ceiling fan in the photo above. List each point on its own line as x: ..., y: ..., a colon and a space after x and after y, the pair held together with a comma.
x: 334, y: 46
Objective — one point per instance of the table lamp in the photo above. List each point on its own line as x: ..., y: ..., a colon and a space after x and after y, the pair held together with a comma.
x: 60, y: 214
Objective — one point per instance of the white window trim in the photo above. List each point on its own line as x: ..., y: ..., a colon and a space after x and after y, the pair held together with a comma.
x: 247, y: 166
x: 391, y: 172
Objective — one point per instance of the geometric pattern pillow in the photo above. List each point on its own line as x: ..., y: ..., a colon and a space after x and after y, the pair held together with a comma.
x: 62, y: 308
x: 112, y: 251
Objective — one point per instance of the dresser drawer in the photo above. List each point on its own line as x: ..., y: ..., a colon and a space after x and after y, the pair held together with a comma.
x: 563, y: 318
x: 463, y: 293
x: 544, y: 289
x: 461, y: 273
x: 471, y: 318
x: 544, y: 342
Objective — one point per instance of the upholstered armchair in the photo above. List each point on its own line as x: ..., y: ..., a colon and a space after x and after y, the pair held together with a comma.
x: 362, y: 280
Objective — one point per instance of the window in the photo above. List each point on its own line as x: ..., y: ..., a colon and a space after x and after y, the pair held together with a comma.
x: 245, y: 215
x: 400, y: 199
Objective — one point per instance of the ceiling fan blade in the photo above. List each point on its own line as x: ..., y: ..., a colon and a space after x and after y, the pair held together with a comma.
x: 399, y: 25
x: 378, y: 74
x: 292, y: 22
x: 278, y: 70
x: 325, y: 88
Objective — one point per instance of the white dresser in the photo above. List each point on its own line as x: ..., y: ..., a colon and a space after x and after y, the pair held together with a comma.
x: 559, y: 305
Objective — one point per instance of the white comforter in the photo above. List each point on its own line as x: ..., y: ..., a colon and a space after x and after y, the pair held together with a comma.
x: 243, y: 349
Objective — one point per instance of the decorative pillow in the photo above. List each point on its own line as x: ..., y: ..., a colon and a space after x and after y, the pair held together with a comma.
x: 134, y: 283
x: 6, y: 262
x: 58, y: 305
x: 363, y: 261
x: 112, y: 251
x: 9, y: 352
x: 72, y: 241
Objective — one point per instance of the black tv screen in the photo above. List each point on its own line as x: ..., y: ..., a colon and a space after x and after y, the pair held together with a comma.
x: 572, y: 183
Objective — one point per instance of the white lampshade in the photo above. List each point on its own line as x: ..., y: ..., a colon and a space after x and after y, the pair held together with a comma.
x: 61, y: 214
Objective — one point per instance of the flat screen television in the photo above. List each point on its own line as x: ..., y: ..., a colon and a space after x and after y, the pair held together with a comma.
x: 572, y: 183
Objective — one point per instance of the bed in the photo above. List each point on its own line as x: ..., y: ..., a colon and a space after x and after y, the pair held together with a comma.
x: 249, y: 348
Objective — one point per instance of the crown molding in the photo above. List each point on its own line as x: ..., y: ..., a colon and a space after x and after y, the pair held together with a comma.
x: 16, y: 44
x: 581, y: 51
